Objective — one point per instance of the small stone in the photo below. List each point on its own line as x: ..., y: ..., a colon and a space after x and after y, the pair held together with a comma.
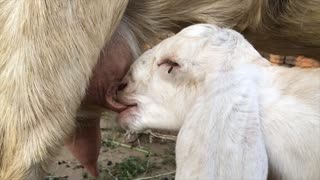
x: 61, y: 162
x: 78, y: 167
x: 109, y: 163
x: 85, y: 175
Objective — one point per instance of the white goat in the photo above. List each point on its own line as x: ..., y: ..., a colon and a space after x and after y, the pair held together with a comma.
x: 239, y: 116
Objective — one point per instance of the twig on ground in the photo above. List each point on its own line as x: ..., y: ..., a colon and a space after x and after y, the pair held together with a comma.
x: 162, y: 136
x: 127, y: 146
x: 55, y: 177
x: 156, y: 176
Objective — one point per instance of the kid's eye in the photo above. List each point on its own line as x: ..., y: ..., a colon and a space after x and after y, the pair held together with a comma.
x: 171, y: 64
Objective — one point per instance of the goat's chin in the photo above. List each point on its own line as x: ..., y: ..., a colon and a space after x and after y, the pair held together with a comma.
x: 129, y: 117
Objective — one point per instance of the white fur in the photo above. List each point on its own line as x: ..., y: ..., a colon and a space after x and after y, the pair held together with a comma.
x: 239, y: 117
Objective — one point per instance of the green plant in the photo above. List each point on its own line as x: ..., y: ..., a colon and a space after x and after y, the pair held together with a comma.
x: 131, y: 167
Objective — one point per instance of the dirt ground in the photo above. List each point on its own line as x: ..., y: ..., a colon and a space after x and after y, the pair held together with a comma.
x: 140, y: 156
